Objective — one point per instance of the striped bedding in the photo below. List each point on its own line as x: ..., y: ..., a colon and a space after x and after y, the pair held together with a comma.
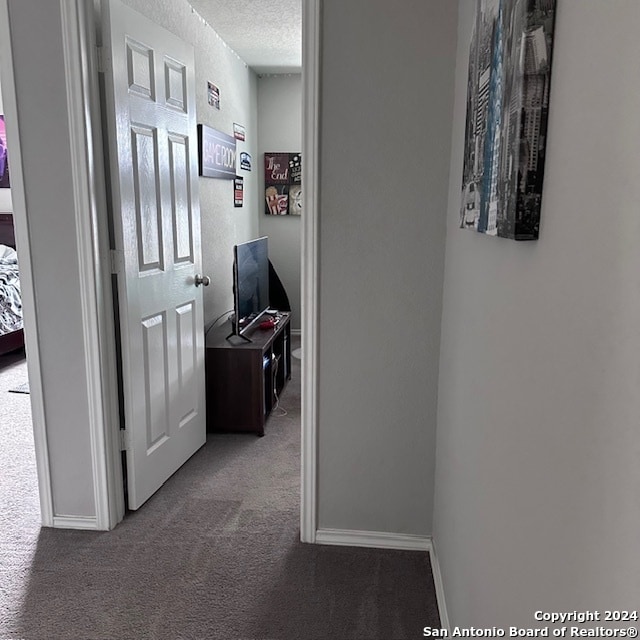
x: 10, y: 299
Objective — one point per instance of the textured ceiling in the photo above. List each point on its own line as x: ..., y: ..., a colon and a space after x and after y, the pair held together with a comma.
x: 266, y: 34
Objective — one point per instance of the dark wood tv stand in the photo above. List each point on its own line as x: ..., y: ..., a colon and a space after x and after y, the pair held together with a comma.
x: 244, y: 379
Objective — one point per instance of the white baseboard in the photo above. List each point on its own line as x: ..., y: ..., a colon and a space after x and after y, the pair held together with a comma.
x: 75, y: 522
x: 373, y: 539
x: 382, y: 540
x: 439, y: 587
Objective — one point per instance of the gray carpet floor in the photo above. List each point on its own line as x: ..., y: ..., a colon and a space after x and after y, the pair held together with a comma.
x: 215, y: 554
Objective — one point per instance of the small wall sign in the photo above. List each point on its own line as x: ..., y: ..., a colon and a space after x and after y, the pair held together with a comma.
x: 238, y: 131
x: 213, y: 95
x: 245, y: 161
x: 238, y: 191
x: 216, y: 153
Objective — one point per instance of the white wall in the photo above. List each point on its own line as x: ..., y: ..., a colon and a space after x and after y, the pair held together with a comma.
x: 538, y: 448
x: 223, y: 225
x: 386, y: 113
x: 280, y: 129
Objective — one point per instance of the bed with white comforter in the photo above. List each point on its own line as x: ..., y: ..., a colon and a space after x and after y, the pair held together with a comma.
x: 10, y: 298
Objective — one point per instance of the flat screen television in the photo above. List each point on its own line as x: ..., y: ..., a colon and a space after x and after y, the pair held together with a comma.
x: 250, y: 284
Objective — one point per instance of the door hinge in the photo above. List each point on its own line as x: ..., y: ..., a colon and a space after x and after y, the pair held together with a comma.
x: 100, y: 59
x: 124, y: 440
x: 117, y: 261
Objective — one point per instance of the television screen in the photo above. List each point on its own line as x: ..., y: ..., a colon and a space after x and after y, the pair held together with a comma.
x: 251, y: 282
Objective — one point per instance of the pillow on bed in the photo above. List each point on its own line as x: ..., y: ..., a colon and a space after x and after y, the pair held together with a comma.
x: 8, y: 255
x: 10, y: 298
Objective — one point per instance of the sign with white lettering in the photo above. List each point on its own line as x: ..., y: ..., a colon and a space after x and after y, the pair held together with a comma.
x: 216, y: 153
x: 283, y: 184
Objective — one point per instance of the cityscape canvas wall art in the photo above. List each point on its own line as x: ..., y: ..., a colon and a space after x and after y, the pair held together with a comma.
x: 507, y: 112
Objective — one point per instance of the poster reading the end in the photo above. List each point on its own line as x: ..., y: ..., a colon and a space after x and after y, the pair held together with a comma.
x: 283, y: 183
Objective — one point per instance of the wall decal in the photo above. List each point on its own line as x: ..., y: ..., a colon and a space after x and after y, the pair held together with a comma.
x: 507, y: 112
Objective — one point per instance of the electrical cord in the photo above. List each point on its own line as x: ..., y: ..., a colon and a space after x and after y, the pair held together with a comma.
x: 283, y: 412
x: 215, y: 322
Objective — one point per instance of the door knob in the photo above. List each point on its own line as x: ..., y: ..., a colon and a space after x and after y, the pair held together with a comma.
x: 202, y: 280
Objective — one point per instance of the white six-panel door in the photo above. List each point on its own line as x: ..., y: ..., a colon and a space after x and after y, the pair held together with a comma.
x: 150, y: 109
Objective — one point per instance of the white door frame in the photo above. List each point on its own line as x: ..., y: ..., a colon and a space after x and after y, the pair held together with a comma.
x: 85, y: 124
x: 21, y: 227
x: 310, y: 271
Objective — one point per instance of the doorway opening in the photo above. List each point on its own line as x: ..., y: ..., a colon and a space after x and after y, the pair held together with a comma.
x: 305, y: 237
x: 104, y: 445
